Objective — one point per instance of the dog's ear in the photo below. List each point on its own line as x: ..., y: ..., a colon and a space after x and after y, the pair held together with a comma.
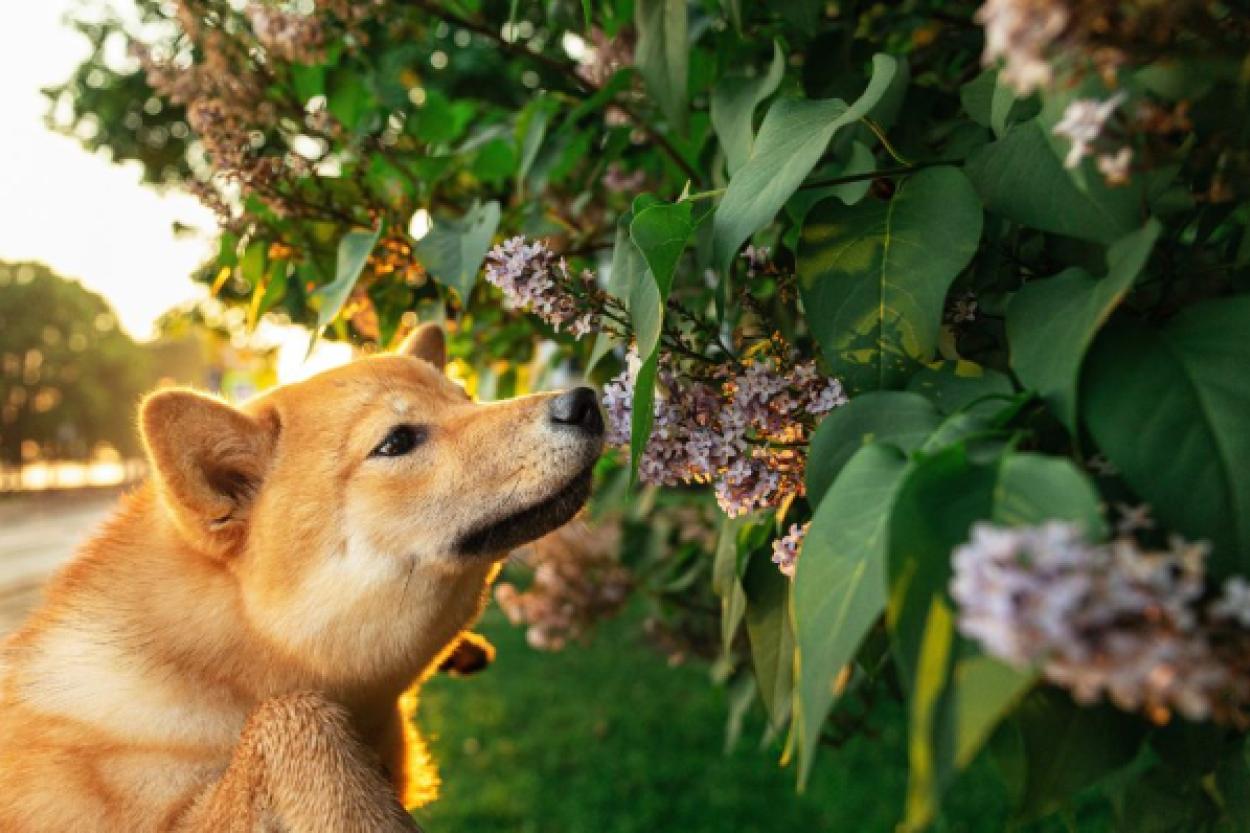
x: 426, y: 342
x: 208, y: 461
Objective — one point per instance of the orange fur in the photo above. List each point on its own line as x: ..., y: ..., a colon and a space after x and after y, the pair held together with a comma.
x: 238, y: 648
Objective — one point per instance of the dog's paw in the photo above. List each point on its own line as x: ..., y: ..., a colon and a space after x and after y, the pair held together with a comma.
x: 472, y: 653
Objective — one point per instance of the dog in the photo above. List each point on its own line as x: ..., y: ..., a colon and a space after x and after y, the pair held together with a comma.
x: 236, y: 649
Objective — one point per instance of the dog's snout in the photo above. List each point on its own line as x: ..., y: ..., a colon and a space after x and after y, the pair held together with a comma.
x: 578, y: 408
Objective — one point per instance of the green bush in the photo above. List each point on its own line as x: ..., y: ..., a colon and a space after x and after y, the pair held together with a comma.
x: 983, y: 362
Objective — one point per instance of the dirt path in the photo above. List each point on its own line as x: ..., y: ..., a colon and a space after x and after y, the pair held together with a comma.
x: 37, y: 534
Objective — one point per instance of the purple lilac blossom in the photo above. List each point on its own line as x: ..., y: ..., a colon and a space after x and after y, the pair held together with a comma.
x: 703, y: 428
x: 532, y: 278
x: 786, y: 549
x: 1109, y: 620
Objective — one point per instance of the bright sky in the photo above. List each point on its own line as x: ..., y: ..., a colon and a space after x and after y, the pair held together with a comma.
x: 84, y: 216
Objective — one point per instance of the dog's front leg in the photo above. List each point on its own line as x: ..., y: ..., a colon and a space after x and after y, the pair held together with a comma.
x: 299, y: 768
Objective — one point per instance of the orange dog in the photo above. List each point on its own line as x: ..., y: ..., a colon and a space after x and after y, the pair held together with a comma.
x: 230, y: 651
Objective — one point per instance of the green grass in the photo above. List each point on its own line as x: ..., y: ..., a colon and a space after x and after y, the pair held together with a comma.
x: 608, y: 739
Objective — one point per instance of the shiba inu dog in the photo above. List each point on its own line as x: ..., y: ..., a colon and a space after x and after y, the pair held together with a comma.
x: 231, y: 651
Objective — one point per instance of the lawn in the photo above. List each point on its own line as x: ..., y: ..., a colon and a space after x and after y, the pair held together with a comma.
x: 607, y: 738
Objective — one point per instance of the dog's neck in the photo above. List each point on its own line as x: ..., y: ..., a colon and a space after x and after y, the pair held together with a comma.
x: 363, y: 624
x: 148, y: 619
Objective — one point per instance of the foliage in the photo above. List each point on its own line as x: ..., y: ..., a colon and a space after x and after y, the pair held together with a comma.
x: 1016, y: 236
x: 69, y: 377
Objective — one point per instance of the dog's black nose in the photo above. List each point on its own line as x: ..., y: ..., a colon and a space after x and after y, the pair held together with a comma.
x: 579, y: 408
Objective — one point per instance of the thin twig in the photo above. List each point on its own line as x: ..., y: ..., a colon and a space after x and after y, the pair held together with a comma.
x: 885, y: 172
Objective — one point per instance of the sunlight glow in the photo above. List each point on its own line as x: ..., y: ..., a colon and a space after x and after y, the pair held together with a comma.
x: 420, y: 224
x: 292, y: 344
x: 574, y: 45
x: 84, y: 216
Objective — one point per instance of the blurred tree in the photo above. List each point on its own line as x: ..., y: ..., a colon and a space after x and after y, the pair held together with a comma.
x: 69, y: 376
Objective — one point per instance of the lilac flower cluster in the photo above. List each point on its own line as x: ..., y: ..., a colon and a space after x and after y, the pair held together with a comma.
x: 616, y: 180
x: 786, y: 549
x: 740, y: 429
x: 577, y: 582
x: 758, y: 259
x: 288, y: 35
x: 1019, y: 33
x: 533, y: 278
x: 1108, y: 620
x: 961, y: 310
x: 1083, y: 124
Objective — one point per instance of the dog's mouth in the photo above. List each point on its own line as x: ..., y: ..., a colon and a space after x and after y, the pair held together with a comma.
x: 500, y: 536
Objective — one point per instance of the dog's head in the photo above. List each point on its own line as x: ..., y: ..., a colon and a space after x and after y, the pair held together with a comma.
x: 375, y: 490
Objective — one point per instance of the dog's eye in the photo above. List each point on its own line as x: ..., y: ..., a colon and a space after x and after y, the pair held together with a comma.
x: 401, y: 440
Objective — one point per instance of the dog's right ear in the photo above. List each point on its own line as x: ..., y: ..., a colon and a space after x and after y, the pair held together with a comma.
x: 426, y: 342
x: 208, y: 461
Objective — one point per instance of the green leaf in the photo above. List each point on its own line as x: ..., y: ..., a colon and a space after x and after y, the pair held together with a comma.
x: 439, y: 120
x: 936, y: 504
x: 793, y: 137
x: 1020, y: 178
x: 309, y: 81
x: 900, y: 419
x: 742, y: 694
x: 660, y: 232
x: 929, y: 732
x: 1068, y: 748
x: 859, y: 161
x: 602, y: 346
x: 977, y: 96
x: 885, y: 112
x: 662, y: 54
x: 353, y: 254
x: 1170, y: 407
x: 453, y: 250
x: 734, y: 99
x: 630, y: 281
x: 986, y: 689
x: 1052, y: 322
x: 771, y: 635
x: 958, y: 428
x: 268, y: 292
x: 874, y: 276
x: 933, y: 511
x: 938, y: 501
x: 1033, y: 488
x: 1165, y: 799
x: 839, y: 583
x: 727, y: 582
x: 992, y: 103
x: 349, y: 98
x: 629, y: 268
x: 1001, y: 105
x: 954, y: 385
x: 495, y: 161
x: 531, y: 129
x: 252, y: 264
